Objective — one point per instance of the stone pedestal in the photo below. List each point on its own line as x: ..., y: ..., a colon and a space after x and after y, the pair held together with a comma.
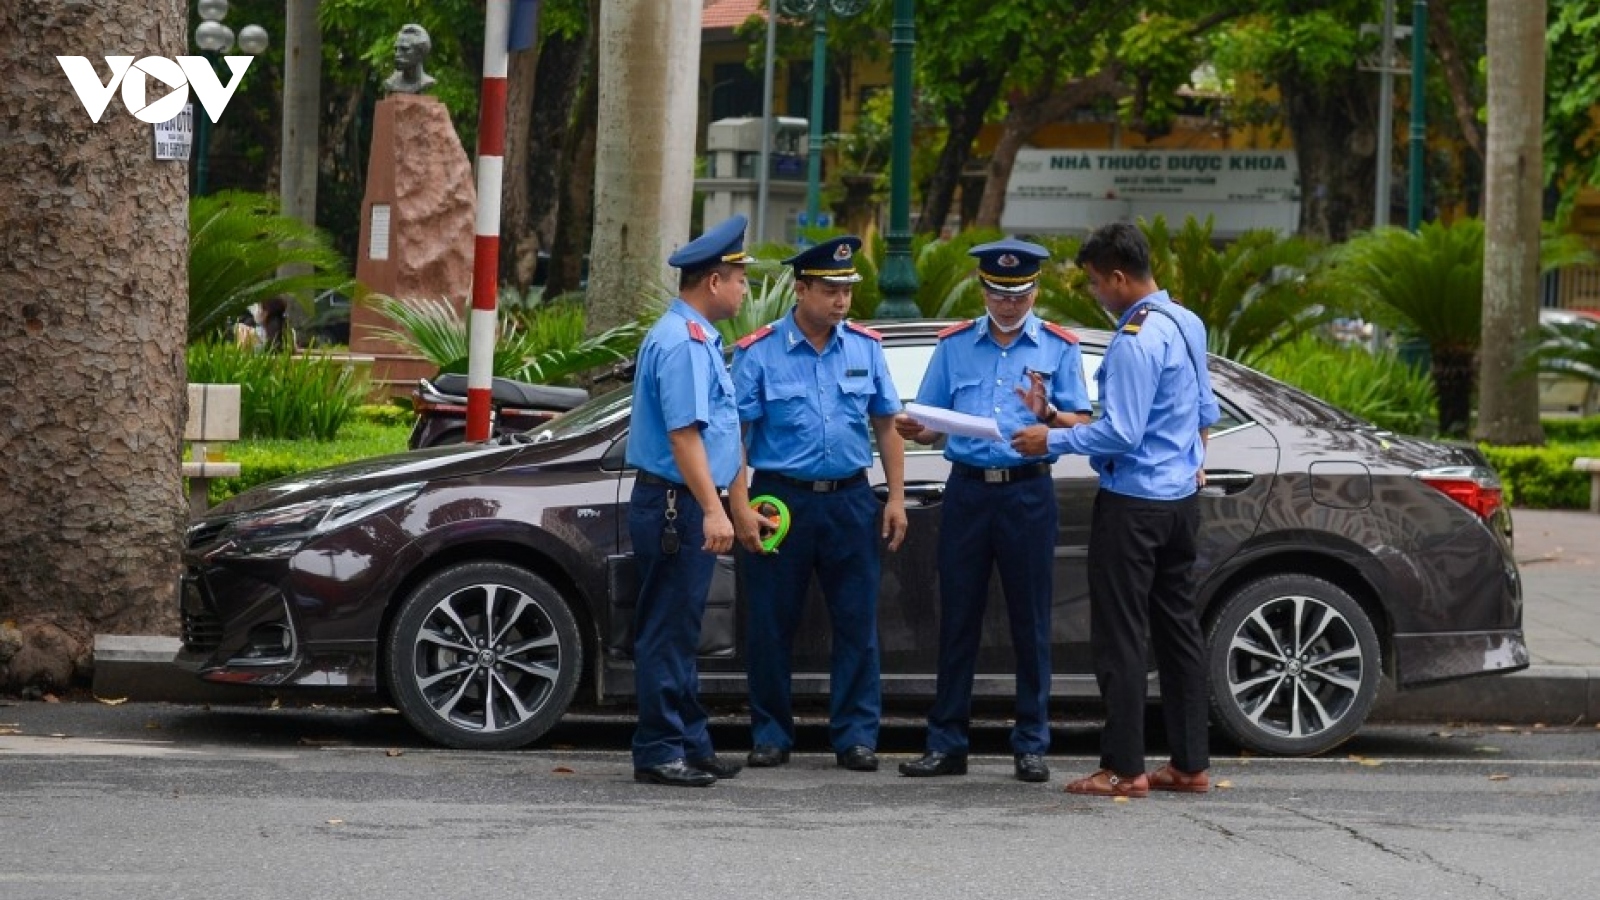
x: 416, y: 227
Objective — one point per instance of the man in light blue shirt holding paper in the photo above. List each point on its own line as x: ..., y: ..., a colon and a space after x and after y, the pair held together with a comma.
x: 1148, y: 447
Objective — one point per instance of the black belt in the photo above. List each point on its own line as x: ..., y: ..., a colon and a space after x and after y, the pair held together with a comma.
x: 1001, y: 476
x: 652, y: 478
x: 817, y: 487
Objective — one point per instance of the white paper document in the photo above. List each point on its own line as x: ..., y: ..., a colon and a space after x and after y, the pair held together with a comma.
x: 949, y: 421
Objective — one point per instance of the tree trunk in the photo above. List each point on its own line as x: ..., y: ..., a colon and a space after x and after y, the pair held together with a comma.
x: 519, y: 245
x: 1508, y: 411
x: 95, y: 236
x: 560, y: 74
x: 1453, y: 369
x: 302, y: 110
x: 1454, y: 67
x: 964, y: 118
x: 1334, y: 128
x: 644, y: 152
x: 574, y: 225
x: 1047, y: 104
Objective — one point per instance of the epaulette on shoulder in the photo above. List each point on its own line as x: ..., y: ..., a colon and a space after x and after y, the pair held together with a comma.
x: 696, y: 332
x: 957, y: 328
x: 1061, y: 331
x: 863, y: 330
x: 1136, y: 321
x: 745, y: 342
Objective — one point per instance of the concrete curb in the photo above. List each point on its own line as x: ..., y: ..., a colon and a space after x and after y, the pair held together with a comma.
x: 1552, y: 695
x: 140, y: 667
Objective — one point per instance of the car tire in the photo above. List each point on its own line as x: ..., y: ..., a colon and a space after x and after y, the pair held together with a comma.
x: 483, y: 656
x: 1293, y: 663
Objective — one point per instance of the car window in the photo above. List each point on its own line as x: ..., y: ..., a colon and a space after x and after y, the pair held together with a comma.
x: 593, y: 415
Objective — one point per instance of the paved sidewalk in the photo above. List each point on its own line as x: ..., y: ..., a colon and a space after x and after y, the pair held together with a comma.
x: 1558, y: 553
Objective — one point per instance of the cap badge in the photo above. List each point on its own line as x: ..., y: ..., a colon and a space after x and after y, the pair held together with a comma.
x: 1008, y: 261
x: 842, y: 252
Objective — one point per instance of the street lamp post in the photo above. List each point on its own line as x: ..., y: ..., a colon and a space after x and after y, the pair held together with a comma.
x: 216, y: 39
x: 898, y: 279
x: 818, y: 10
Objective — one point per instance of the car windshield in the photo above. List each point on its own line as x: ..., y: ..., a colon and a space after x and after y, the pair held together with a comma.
x: 594, y: 415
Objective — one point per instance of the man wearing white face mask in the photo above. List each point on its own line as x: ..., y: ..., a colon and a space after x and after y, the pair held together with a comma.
x: 999, y: 505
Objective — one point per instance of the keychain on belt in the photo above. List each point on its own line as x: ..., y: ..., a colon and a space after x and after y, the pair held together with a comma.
x: 669, y: 533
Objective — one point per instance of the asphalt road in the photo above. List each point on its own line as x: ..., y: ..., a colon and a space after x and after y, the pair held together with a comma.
x: 157, y: 801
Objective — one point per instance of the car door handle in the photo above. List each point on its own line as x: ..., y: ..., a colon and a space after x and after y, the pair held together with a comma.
x: 1227, y: 481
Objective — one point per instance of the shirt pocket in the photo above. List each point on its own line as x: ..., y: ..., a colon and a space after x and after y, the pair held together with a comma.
x: 854, y: 395
x: 788, y: 405
x: 970, y: 395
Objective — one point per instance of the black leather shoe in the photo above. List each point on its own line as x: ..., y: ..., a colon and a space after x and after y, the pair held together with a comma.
x: 1031, y: 767
x: 674, y: 774
x: 766, y: 757
x: 859, y: 758
x: 716, y: 766
x: 932, y: 764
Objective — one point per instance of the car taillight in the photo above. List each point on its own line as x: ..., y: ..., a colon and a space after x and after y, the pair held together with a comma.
x: 1474, y: 487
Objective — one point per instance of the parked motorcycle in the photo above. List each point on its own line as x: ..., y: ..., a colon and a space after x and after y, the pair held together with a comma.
x: 441, y: 407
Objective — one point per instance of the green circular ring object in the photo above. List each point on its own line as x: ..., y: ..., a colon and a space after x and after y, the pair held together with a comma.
x: 775, y: 511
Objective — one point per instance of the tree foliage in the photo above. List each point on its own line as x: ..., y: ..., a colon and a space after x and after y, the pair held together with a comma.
x: 238, y: 245
x: 1572, y: 96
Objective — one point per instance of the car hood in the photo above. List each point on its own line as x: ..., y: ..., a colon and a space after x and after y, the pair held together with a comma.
x: 432, y: 464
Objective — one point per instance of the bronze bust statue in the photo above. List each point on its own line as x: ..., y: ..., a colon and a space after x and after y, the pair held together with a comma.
x: 411, y: 47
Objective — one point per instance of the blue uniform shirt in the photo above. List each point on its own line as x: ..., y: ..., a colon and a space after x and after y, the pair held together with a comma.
x: 680, y: 380
x: 970, y: 373
x: 1155, y: 396
x: 808, y: 411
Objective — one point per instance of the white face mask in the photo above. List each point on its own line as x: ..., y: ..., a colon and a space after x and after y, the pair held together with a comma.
x: 995, y: 324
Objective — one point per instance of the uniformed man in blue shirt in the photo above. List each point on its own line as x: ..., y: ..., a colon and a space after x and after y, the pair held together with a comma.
x: 813, y: 390
x: 684, y: 440
x: 999, y: 504
x: 1148, y: 447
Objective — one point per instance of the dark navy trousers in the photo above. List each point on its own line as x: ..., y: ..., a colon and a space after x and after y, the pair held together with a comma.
x: 671, y: 606
x: 1012, y: 526
x: 1141, y: 577
x: 834, y: 536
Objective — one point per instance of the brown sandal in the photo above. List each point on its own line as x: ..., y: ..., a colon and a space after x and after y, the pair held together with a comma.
x: 1169, y: 778
x: 1106, y: 783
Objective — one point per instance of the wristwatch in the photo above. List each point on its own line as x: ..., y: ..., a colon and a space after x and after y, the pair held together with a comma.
x: 1050, y: 413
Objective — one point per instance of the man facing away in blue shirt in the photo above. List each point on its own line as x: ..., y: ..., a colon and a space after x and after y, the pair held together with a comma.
x: 1148, y: 447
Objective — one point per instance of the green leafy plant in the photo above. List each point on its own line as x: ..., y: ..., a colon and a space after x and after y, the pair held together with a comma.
x: 1380, y: 387
x: 771, y: 296
x: 238, y: 245
x: 545, y: 345
x: 281, y: 395
x: 1429, y: 285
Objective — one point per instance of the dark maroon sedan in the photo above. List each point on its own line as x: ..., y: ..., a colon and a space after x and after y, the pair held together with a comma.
x: 479, y: 586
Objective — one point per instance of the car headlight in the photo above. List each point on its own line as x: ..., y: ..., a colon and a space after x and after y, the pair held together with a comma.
x: 283, y: 530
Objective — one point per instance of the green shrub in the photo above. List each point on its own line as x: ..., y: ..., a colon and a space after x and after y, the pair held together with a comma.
x: 281, y: 395
x: 1377, y: 387
x: 264, y: 460
x: 1542, y: 477
x: 1572, y: 431
x: 389, y: 415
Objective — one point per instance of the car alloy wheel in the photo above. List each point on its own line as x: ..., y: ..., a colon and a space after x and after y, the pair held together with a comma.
x: 484, y: 656
x: 1293, y: 663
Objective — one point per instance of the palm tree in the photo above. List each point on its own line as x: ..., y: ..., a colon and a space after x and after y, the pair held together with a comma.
x: 238, y: 244
x: 1255, y: 294
x: 1429, y: 285
x: 547, y: 349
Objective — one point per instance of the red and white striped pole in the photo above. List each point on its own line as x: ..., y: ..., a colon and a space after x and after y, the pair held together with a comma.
x: 486, y: 241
